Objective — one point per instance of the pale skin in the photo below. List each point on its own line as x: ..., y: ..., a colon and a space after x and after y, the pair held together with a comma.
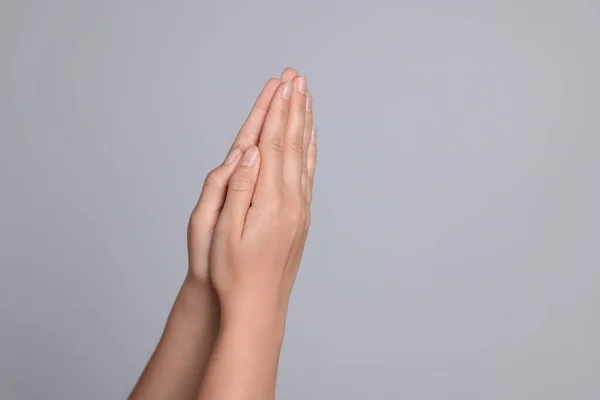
x: 246, y: 236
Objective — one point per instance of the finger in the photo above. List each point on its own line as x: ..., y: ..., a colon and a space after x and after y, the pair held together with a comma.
x: 308, y: 126
x: 206, y: 213
x: 311, y: 161
x: 250, y: 131
x: 294, y: 132
x: 240, y: 191
x: 288, y: 74
x: 271, y: 142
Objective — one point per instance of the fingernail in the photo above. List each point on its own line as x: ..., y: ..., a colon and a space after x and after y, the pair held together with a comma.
x: 308, y: 102
x: 302, y: 84
x: 233, y: 154
x: 286, y: 93
x: 250, y: 156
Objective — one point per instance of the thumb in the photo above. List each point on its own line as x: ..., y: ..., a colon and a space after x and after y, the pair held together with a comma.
x: 211, y: 200
x: 240, y: 191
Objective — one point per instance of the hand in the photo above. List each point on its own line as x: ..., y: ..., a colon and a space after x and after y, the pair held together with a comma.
x: 260, y: 234
x: 206, y: 213
x: 179, y: 362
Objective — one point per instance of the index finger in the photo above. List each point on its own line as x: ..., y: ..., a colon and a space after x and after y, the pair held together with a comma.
x: 288, y: 74
x: 250, y: 131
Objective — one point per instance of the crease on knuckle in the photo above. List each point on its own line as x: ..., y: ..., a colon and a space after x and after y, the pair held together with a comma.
x: 275, y: 144
x: 281, y: 112
x: 300, y: 105
x: 259, y: 108
x: 239, y: 184
x: 249, y: 129
x: 296, y: 145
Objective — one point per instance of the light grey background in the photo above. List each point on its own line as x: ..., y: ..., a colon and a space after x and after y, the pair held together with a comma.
x: 454, y: 252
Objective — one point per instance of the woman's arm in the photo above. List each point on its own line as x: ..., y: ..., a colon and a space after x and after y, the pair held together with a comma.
x: 257, y: 248
x: 178, y: 363
x: 177, y: 366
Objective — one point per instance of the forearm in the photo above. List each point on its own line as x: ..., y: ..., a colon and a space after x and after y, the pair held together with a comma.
x: 245, y: 358
x: 179, y: 361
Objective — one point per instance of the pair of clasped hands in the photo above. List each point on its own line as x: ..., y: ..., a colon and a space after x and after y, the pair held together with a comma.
x: 247, y: 232
x: 246, y: 236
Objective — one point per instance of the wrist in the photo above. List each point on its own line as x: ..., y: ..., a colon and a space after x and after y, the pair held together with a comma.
x: 199, y: 293
x: 198, y: 282
x: 255, y: 320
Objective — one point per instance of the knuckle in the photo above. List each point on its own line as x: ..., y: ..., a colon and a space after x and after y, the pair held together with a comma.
x: 295, y: 210
x: 262, y: 108
x: 213, y: 179
x: 281, y: 112
x: 240, y: 184
x: 297, y: 202
x: 195, y: 219
x: 249, y: 129
x: 274, y: 206
x: 292, y: 217
x: 300, y: 105
x: 275, y: 144
x: 296, y: 145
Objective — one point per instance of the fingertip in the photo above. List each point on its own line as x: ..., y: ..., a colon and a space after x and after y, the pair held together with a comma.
x: 250, y: 156
x: 233, y: 155
x: 267, y: 93
x: 286, y: 90
x: 300, y: 84
x: 288, y: 74
x: 272, y: 83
